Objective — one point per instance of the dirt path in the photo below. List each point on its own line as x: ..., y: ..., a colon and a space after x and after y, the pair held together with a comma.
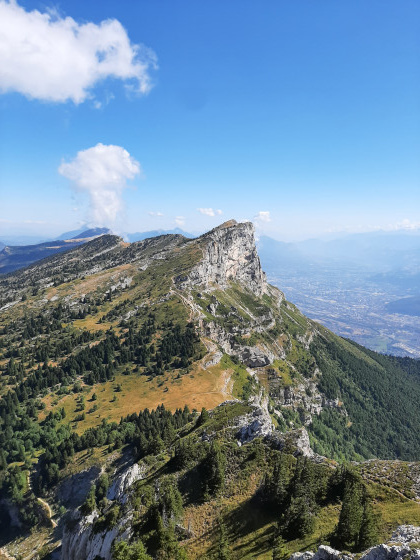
x: 195, y: 312
x: 45, y: 505
x: 50, y: 513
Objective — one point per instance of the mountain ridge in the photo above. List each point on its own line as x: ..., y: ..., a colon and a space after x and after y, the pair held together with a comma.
x: 94, y: 340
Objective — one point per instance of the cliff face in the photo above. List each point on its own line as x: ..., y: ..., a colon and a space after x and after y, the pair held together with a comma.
x: 84, y: 538
x: 229, y: 253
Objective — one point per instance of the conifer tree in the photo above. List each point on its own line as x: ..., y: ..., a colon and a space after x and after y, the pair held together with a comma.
x: 351, y: 515
x: 214, y: 469
x: 300, y: 514
x: 124, y: 551
x: 204, y: 416
x: 368, y: 535
x: 90, y: 502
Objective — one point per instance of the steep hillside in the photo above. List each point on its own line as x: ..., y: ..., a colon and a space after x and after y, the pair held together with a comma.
x: 94, y: 339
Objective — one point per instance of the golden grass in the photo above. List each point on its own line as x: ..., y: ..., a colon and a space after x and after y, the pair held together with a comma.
x: 200, y: 388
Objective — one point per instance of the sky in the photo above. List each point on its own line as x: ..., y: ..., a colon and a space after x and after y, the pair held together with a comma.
x: 302, y: 116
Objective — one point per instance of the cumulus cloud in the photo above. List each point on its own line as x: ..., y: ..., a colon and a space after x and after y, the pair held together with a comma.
x: 102, y: 172
x: 52, y: 58
x: 209, y: 211
x: 263, y: 216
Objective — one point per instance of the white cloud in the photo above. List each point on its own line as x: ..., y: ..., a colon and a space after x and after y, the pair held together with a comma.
x: 180, y: 221
x: 405, y: 224
x: 52, y: 58
x: 263, y: 216
x: 219, y: 212
x: 156, y: 214
x: 208, y: 211
x: 102, y: 172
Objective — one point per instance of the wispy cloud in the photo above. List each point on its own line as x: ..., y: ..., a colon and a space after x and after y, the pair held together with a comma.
x: 102, y: 172
x: 405, y: 224
x: 209, y: 212
x: 53, y: 58
x: 262, y: 216
x: 156, y: 214
x: 180, y: 221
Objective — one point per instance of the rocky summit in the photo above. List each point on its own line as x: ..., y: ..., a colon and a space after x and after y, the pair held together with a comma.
x: 160, y: 399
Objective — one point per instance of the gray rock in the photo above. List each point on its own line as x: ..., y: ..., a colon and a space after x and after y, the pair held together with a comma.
x: 295, y: 439
x: 229, y: 253
x: 215, y: 359
x: 380, y: 552
x: 406, y: 534
x: 257, y: 423
x: 81, y: 542
x: 118, y: 489
x: 73, y: 490
x: 385, y: 552
x: 253, y: 356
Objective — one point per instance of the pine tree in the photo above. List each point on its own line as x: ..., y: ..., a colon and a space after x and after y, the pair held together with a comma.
x: 90, y: 502
x: 204, y: 416
x: 368, y: 535
x: 300, y: 514
x: 351, y: 515
x: 214, y: 469
x: 123, y: 551
x: 277, y: 485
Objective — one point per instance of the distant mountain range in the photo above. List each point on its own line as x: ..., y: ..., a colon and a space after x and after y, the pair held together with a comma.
x: 84, y: 233
x: 18, y: 256
x: 13, y: 257
x: 140, y: 235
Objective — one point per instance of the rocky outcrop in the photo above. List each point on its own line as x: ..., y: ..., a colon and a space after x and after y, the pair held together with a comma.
x: 118, y: 489
x: 229, y: 254
x: 86, y: 538
x: 73, y: 490
x: 258, y: 423
x: 254, y: 357
x: 295, y: 441
x: 379, y: 552
x: 385, y: 552
x: 303, y: 396
x: 406, y: 534
x: 85, y: 542
x: 213, y: 360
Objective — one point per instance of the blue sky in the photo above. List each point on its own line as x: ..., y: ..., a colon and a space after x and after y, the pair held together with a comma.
x: 302, y: 116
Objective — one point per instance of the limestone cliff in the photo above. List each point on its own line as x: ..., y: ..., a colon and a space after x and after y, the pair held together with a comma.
x: 229, y: 254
